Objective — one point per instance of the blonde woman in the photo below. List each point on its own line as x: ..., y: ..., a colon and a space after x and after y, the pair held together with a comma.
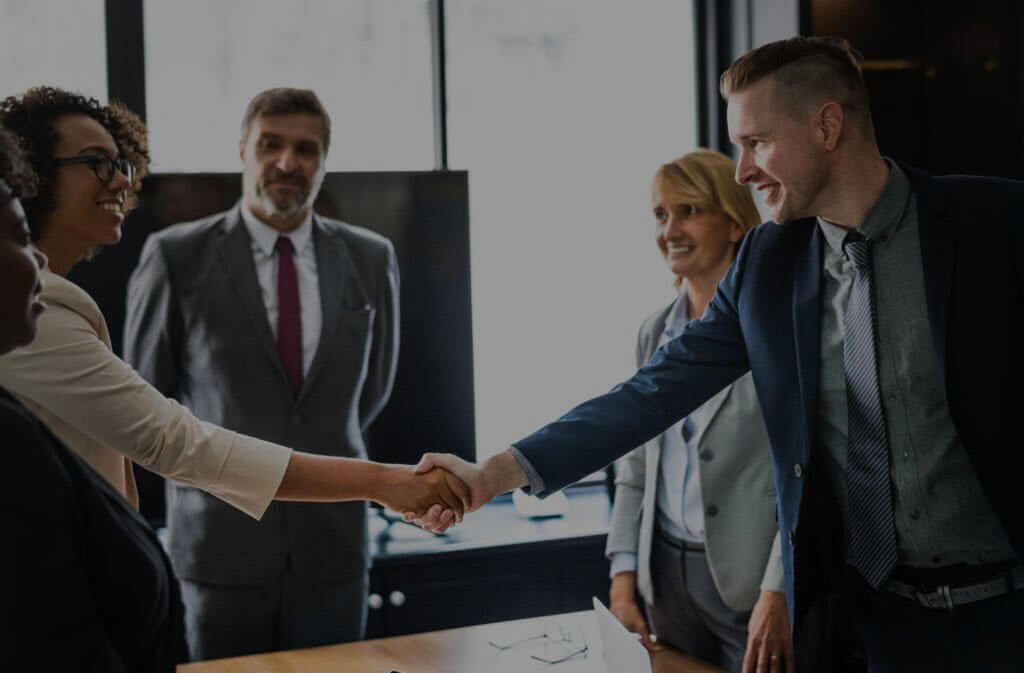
x: 705, y: 556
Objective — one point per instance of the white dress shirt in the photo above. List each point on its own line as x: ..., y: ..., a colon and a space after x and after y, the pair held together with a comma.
x: 264, y: 238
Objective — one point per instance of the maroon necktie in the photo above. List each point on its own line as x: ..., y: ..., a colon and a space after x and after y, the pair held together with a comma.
x: 289, y: 314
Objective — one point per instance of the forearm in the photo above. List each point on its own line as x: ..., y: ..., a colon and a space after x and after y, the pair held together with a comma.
x: 502, y: 473
x: 314, y: 478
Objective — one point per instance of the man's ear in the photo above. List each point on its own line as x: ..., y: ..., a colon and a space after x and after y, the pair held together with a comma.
x: 829, y: 123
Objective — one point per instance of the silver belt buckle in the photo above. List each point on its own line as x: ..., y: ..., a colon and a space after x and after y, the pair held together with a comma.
x: 940, y: 598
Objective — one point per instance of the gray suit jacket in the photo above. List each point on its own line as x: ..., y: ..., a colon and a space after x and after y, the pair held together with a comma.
x: 741, y: 536
x: 197, y: 329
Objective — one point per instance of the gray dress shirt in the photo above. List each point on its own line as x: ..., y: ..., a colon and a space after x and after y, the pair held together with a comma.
x: 941, y: 513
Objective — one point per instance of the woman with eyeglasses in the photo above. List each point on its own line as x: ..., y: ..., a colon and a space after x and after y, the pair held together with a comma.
x: 693, y: 526
x: 85, y: 585
x: 90, y: 159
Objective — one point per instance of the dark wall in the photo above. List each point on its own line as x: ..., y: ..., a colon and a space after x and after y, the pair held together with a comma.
x: 945, y: 78
x: 426, y: 216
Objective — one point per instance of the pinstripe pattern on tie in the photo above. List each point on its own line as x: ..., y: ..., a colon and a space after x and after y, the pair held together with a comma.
x: 872, y: 534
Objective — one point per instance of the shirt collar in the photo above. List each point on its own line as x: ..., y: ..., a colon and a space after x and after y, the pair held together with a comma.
x: 885, y: 216
x: 266, y: 236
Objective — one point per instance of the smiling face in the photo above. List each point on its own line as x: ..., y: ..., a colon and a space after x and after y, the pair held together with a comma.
x: 696, y: 243
x: 779, y: 153
x: 19, y: 278
x: 283, y: 165
x: 88, y: 212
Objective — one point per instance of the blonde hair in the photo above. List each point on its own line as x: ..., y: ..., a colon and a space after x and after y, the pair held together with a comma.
x: 706, y: 179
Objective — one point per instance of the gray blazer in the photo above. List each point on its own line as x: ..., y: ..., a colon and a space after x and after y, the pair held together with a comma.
x: 740, y: 528
x: 197, y: 329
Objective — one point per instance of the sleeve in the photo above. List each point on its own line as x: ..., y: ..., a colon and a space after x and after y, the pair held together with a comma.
x: 73, y: 375
x: 622, y: 562
x: 49, y: 617
x: 384, y: 351
x: 683, y: 374
x: 774, y: 575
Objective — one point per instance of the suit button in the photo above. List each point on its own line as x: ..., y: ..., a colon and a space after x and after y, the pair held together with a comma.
x: 712, y: 510
x: 296, y: 419
x: 915, y: 514
x: 706, y: 454
x: 798, y: 470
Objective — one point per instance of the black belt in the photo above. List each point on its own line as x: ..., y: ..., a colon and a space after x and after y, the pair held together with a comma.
x: 946, y: 596
x: 672, y: 541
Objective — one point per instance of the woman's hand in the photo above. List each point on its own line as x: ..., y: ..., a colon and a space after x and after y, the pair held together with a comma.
x: 403, y: 490
x: 622, y: 599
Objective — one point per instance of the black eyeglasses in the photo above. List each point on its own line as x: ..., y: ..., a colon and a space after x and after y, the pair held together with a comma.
x: 102, y: 165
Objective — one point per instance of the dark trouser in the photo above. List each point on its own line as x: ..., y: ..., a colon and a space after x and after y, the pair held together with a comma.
x: 227, y: 621
x: 899, y: 635
x: 689, y: 613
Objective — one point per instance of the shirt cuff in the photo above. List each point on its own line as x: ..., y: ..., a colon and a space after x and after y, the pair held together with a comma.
x: 251, y: 474
x: 536, y: 484
x: 623, y: 562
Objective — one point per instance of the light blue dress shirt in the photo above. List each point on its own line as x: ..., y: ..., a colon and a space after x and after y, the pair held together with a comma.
x: 680, y: 504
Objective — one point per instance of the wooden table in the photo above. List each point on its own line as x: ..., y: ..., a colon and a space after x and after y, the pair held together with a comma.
x: 464, y: 650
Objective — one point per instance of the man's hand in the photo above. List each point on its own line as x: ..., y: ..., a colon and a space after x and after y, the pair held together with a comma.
x: 622, y: 604
x: 769, y: 643
x: 410, y: 489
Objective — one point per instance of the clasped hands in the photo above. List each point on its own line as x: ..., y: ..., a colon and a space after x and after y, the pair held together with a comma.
x: 439, y: 491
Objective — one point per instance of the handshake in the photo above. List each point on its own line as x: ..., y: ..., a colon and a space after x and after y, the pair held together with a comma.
x: 442, y: 488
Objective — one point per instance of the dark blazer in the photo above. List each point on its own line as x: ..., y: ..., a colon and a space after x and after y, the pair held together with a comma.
x: 766, y: 317
x: 84, y: 583
x: 197, y: 329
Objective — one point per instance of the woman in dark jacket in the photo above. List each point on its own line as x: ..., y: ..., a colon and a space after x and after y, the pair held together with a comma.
x: 84, y: 582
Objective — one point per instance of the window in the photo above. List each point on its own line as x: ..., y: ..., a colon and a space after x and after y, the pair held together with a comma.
x: 75, y: 53
x: 562, y: 112
x: 369, y: 62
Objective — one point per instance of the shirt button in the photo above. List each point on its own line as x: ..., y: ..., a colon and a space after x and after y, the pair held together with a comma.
x: 706, y: 454
x: 798, y: 470
x: 712, y: 510
x: 915, y: 514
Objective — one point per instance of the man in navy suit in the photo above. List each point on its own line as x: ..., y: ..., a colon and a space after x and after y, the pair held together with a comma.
x: 882, y: 317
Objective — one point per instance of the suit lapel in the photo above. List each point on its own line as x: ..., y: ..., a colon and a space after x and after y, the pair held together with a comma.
x: 807, y: 321
x: 333, y: 266
x: 937, y: 237
x: 235, y: 254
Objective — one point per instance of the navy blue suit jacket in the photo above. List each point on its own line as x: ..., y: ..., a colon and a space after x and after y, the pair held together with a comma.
x: 766, y: 317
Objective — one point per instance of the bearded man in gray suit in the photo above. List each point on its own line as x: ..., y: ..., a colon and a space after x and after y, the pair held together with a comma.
x: 275, y: 322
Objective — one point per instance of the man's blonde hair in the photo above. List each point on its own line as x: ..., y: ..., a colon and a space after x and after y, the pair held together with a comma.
x: 705, y: 178
x: 806, y: 70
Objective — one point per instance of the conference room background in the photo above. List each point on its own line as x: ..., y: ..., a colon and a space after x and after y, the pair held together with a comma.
x: 516, y: 139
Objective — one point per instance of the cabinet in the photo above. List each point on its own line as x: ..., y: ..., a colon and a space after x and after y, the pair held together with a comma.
x: 494, y: 566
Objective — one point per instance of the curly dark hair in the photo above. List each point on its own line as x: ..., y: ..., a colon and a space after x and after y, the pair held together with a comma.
x: 14, y: 167
x: 33, y: 116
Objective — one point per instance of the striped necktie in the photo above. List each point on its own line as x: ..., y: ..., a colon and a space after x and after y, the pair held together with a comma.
x: 872, y: 534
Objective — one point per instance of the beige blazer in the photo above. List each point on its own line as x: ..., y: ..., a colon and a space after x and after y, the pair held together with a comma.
x: 740, y: 530
x: 96, y: 404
